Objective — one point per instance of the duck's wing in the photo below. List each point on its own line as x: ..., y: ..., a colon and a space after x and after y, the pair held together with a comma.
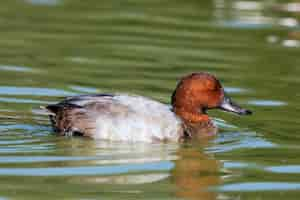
x: 76, y: 115
x: 79, y: 101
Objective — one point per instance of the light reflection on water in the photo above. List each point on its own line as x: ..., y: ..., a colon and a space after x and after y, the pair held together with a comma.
x: 44, y: 2
x: 10, y: 90
x: 293, y: 169
x: 267, y: 103
x: 259, y: 186
x: 87, y: 171
x: 15, y: 68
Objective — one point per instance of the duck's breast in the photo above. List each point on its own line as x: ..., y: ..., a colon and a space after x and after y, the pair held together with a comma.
x: 136, y: 118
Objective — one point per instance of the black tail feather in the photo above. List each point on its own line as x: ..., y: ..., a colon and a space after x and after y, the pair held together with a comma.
x: 55, y: 108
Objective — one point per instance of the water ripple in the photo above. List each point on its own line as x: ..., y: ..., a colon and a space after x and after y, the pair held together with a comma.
x: 20, y: 100
x: 44, y: 2
x: 87, y: 170
x: 289, y: 169
x: 15, y: 68
x: 11, y: 90
x: 230, y: 141
x: 259, y: 186
x: 267, y: 103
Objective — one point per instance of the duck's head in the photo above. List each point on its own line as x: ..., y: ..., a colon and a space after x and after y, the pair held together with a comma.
x: 198, y: 92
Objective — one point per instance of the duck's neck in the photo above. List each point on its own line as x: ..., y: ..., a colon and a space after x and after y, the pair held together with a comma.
x: 195, y: 121
x: 190, y: 116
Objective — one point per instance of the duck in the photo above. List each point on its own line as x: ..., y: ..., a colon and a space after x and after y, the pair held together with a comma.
x: 133, y: 118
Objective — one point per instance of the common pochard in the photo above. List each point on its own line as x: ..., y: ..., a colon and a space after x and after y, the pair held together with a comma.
x: 123, y: 117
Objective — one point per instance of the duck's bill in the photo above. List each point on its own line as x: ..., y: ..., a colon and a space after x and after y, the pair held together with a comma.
x: 230, y: 106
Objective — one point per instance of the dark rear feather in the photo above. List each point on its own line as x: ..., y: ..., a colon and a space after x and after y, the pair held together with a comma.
x: 69, y: 117
x: 56, y: 108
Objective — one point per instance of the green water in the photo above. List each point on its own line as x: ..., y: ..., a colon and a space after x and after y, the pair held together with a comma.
x: 55, y: 48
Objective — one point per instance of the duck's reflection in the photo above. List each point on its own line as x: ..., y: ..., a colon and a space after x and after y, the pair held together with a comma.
x: 189, y: 168
x: 195, y: 172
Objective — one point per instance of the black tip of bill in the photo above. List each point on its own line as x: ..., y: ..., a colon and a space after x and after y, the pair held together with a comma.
x: 246, y: 112
x: 228, y: 105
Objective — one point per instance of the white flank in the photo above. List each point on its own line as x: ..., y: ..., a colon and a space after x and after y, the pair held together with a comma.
x: 136, y: 118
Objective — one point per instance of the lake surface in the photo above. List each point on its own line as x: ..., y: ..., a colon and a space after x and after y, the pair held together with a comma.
x: 55, y: 48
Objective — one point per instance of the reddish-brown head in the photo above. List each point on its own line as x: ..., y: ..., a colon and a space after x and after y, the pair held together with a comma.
x: 196, y: 93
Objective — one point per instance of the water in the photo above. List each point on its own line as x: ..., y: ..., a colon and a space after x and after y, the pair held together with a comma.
x: 55, y: 48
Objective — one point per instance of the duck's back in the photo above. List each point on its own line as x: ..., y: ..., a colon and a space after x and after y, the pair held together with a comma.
x: 116, y: 118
